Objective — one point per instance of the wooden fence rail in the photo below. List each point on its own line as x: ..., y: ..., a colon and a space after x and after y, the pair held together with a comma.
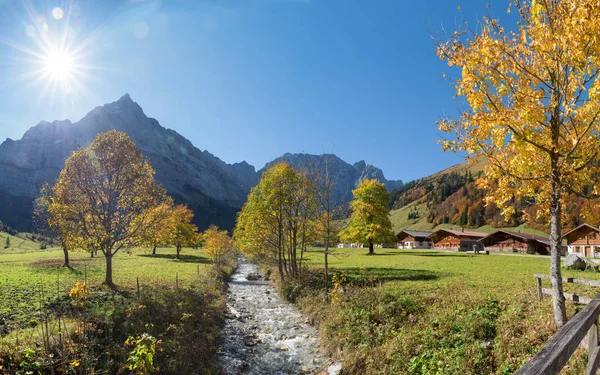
x: 571, y: 297
x: 557, y: 351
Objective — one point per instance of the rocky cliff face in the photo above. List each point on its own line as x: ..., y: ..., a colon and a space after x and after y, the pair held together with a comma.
x: 213, y: 189
x: 347, y: 176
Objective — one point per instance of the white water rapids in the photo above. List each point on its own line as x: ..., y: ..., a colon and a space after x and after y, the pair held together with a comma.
x: 266, y: 335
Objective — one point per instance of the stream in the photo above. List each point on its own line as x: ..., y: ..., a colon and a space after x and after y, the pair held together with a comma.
x: 265, y: 334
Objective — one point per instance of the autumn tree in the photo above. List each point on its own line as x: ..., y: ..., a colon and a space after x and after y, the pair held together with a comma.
x: 277, y: 219
x: 217, y: 244
x: 48, y: 226
x: 369, y: 222
x: 180, y: 231
x: 160, y: 226
x: 533, y: 105
x: 107, y: 193
x: 327, y: 229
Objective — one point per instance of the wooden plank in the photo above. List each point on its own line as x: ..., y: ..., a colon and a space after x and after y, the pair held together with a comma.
x: 593, y: 362
x: 571, y: 280
x: 538, y: 283
x: 557, y: 351
x: 571, y: 297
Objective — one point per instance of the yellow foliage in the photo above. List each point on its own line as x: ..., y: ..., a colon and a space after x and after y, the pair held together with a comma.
x: 105, y: 197
x: 370, y: 222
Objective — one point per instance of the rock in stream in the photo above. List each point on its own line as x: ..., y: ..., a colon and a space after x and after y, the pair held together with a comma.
x: 265, y: 334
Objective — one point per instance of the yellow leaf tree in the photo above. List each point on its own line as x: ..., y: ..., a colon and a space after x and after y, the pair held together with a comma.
x: 48, y: 226
x: 182, y: 232
x: 369, y: 222
x: 533, y: 104
x: 106, y: 193
x: 277, y: 220
x: 217, y: 243
x: 160, y: 225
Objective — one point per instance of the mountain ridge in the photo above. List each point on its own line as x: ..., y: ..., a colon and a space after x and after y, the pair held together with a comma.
x: 212, y: 188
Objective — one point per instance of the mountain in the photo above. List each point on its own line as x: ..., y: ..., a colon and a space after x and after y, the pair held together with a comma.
x: 347, y: 176
x: 214, y: 189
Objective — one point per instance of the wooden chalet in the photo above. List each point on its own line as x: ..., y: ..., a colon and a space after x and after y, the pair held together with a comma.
x: 450, y: 239
x: 583, y: 240
x: 502, y: 240
x: 413, y: 239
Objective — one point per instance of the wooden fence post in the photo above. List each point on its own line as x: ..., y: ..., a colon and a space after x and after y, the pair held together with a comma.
x: 177, y: 280
x: 538, y: 282
x: 592, y: 348
x: 137, y: 280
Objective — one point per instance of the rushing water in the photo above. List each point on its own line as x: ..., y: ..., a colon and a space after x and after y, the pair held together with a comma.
x: 265, y: 334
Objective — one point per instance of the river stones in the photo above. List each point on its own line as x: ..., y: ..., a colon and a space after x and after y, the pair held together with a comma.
x: 253, y: 277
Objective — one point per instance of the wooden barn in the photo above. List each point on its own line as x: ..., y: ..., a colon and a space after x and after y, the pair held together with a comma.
x: 583, y: 240
x: 414, y: 239
x: 450, y: 239
x: 502, y: 240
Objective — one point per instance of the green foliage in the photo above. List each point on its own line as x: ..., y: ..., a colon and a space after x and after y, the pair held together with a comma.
x: 369, y: 222
x: 141, y: 358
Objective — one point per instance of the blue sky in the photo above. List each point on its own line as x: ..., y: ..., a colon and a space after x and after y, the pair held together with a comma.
x: 251, y: 79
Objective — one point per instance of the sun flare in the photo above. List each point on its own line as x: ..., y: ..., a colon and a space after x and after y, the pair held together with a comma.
x: 55, y: 55
x: 59, y: 65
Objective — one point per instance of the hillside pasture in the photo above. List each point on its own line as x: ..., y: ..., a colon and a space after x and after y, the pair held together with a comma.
x: 424, y: 312
x: 17, y: 243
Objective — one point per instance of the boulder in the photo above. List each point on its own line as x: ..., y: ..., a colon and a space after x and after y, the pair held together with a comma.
x: 574, y: 262
x: 592, y: 265
x: 253, y: 276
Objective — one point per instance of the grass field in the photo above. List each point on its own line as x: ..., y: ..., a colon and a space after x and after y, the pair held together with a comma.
x: 25, y: 273
x: 420, y: 311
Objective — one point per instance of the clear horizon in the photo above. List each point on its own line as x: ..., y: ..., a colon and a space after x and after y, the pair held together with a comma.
x: 245, y: 80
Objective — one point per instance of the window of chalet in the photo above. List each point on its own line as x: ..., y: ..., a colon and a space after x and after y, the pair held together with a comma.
x: 592, y: 236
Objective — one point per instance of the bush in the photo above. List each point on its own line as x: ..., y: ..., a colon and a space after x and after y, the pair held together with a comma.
x: 165, y: 330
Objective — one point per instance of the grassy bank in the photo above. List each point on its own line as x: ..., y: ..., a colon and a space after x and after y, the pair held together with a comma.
x: 426, y: 312
x: 50, y: 321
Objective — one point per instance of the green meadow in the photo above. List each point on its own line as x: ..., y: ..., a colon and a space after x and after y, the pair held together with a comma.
x: 428, y: 312
x: 30, y: 276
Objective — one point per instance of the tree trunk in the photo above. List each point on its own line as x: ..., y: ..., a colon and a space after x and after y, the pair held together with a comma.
x: 371, y: 251
x: 327, y: 267
x: 178, y: 251
x: 109, y: 280
x: 560, y: 315
x: 92, y: 254
x: 154, y: 250
x: 66, y: 252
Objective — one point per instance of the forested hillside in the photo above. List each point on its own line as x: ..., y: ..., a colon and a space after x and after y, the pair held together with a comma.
x: 452, y: 197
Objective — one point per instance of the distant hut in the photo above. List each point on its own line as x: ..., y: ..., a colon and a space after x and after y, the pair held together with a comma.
x: 462, y: 240
x: 503, y: 240
x: 414, y: 239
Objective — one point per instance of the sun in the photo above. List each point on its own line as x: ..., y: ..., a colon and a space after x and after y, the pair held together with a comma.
x: 55, y: 56
x: 59, y: 66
